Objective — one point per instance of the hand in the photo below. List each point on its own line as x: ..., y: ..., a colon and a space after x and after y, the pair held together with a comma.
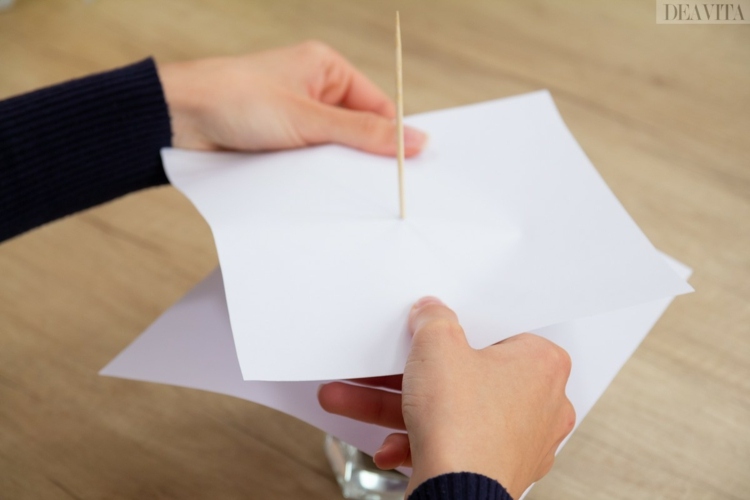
x: 500, y: 411
x: 284, y: 98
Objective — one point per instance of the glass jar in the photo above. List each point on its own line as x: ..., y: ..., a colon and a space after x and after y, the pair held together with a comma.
x: 358, y: 475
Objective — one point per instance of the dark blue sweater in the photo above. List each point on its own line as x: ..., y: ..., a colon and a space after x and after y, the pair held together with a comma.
x: 72, y: 146
x: 81, y: 143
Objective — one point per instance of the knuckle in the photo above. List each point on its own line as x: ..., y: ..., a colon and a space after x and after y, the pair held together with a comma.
x: 315, y: 48
x: 368, y: 123
x: 570, y: 418
x: 529, y: 338
x: 563, y: 360
x: 372, y: 125
x: 438, y: 332
x: 555, y: 357
x: 444, y: 326
x: 375, y: 131
x: 546, y: 466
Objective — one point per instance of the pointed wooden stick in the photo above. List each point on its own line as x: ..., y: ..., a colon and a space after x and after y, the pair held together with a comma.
x: 400, y: 118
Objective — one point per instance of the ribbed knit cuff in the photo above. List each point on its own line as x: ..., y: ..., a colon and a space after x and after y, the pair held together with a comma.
x: 460, y: 485
x: 71, y: 146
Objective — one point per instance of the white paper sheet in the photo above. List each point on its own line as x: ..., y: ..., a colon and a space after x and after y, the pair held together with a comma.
x: 507, y: 221
x: 190, y: 345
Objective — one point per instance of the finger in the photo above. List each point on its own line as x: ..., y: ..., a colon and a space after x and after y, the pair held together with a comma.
x: 567, y: 424
x: 568, y: 420
x: 365, y: 404
x: 321, y: 123
x: 347, y: 87
x: 388, y: 382
x: 429, y: 317
x: 363, y: 95
x: 553, y: 449
x: 394, y: 452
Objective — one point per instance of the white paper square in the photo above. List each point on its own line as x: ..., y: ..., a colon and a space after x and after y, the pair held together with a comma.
x: 190, y: 345
x: 507, y: 221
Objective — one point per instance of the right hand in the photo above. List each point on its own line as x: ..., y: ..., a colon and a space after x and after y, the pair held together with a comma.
x: 499, y: 411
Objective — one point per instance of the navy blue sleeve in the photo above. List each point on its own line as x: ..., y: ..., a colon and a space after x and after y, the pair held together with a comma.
x: 72, y: 146
x: 460, y: 486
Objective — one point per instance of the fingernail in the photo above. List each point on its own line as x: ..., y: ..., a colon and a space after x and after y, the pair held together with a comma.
x: 414, y: 138
x: 424, y: 301
x: 379, y: 450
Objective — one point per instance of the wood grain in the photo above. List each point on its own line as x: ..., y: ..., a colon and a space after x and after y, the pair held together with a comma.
x: 661, y: 110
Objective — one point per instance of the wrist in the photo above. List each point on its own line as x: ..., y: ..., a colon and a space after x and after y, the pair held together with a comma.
x: 467, y: 483
x: 184, y: 103
x: 435, y: 463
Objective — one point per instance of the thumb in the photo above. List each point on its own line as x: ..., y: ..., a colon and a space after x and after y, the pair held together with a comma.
x: 431, y: 321
x: 358, y: 129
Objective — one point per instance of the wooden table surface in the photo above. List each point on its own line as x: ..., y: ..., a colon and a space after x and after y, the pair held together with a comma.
x: 662, y: 111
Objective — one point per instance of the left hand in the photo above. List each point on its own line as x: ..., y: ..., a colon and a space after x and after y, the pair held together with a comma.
x: 284, y: 98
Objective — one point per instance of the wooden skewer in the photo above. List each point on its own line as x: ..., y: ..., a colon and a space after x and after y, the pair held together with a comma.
x: 400, y: 118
